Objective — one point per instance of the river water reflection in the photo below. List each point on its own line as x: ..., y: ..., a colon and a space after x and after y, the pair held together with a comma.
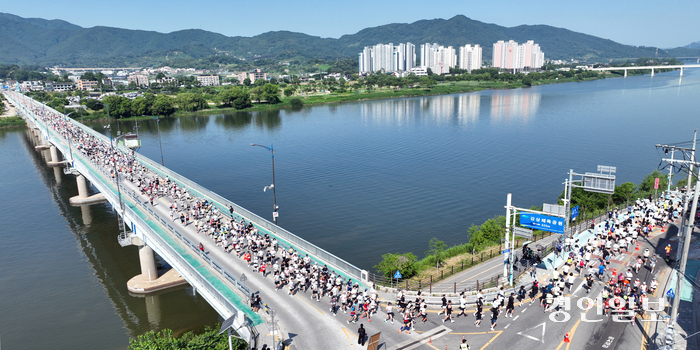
x: 358, y: 179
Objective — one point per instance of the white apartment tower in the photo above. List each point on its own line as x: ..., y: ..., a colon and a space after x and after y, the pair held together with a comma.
x: 470, y: 57
x: 404, y: 57
x: 438, y: 58
x: 387, y: 58
x: 511, y: 56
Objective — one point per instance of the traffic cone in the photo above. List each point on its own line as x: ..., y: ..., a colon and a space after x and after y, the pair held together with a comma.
x: 663, y: 229
x: 430, y: 341
x: 614, y: 272
x: 566, y: 338
x: 637, y: 247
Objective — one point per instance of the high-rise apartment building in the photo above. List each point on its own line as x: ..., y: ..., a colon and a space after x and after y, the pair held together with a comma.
x: 438, y: 58
x: 387, y: 58
x: 512, y: 56
x: 470, y: 57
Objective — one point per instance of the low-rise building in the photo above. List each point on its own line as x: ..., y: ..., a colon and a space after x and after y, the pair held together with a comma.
x: 58, y: 87
x: 86, y: 85
x: 208, y: 80
x: 138, y: 79
x: 252, y: 75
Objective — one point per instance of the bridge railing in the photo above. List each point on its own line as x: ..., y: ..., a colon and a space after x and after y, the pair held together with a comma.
x: 285, y: 238
x: 88, y: 168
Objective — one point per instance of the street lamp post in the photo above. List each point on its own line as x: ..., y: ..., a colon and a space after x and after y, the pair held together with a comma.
x: 274, y: 194
x: 159, y: 142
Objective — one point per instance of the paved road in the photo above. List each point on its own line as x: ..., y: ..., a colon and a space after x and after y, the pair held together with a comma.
x: 482, y: 272
x: 532, y: 327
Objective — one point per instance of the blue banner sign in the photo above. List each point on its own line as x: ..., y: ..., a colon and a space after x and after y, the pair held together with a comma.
x: 542, y: 222
x: 397, y: 274
x: 574, y: 212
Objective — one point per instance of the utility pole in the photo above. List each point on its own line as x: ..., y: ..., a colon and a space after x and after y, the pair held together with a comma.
x: 506, y: 242
x: 688, y: 233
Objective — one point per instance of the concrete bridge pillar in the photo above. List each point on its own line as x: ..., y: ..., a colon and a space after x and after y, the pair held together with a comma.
x: 625, y: 73
x: 652, y: 72
x: 55, y: 159
x: 149, y: 272
x: 84, y: 196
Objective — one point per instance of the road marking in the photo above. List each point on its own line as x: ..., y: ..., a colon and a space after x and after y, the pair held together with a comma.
x: 578, y: 288
x: 516, y: 317
x: 523, y: 310
x: 543, y: 325
x: 506, y: 327
x: 571, y: 335
x: 347, y: 335
x: 431, y: 345
x: 492, y: 339
x: 480, y: 273
x: 306, y: 301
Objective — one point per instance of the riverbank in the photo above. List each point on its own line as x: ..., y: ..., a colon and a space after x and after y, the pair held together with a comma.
x: 446, y: 88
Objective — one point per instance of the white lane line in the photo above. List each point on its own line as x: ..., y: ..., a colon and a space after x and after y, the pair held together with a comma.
x: 523, y: 310
x: 516, y: 317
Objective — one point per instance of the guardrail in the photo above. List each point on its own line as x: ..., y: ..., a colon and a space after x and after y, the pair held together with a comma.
x: 151, y: 238
x: 285, y: 238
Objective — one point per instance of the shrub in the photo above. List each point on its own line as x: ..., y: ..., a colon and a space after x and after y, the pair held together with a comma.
x: 296, y: 102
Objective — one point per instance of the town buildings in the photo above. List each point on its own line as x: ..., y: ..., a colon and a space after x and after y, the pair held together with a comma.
x: 86, y: 85
x: 387, y: 58
x: 208, y: 80
x: 438, y: 58
x: 252, y: 75
x: 509, y: 55
x: 138, y: 79
x: 470, y: 57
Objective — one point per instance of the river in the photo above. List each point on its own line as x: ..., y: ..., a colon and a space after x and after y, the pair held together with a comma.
x: 358, y: 179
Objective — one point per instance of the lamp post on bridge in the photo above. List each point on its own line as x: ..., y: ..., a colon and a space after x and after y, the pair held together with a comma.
x: 157, y: 119
x: 274, y: 194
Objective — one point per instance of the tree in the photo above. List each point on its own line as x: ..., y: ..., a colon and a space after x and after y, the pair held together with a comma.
x: 118, y: 106
x: 647, y: 185
x: 271, y: 93
x: 624, y: 192
x: 191, y: 102
x: 435, y: 249
x: 527, y: 81
x: 163, y: 105
x: 160, y: 75
x: 164, y: 340
x: 93, y: 104
x: 288, y: 92
x: 404, y: 263
x: 296, y: 102
x: 246, y: 81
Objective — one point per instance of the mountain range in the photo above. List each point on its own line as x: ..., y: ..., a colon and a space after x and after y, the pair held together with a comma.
x: 33, y: 41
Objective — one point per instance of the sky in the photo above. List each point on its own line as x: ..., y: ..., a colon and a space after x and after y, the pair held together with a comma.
x: 665, y: 24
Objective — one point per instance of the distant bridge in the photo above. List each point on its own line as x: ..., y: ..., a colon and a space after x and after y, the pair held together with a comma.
x: 681, y: 67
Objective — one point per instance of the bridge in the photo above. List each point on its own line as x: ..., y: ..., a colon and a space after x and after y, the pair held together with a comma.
x: 225, y: 281
x: 652, y: 68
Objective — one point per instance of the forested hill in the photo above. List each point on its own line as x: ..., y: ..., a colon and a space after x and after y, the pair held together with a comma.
x: 27, y: 41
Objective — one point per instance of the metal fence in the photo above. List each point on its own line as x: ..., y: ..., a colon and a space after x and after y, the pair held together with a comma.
x: 285, y: 238
x: 214, y: 296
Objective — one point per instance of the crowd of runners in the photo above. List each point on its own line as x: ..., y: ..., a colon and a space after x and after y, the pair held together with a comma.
x: 592, y: 260
x: 624, y: 292
x: 235, y: 236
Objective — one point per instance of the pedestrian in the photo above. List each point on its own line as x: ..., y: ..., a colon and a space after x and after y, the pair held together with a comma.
x: 444, y: 305
x: 389, y: 313
x: 448, y: 312
x: 521, y: 295
x: 361, y: 335
x: 478, y: 314
x: 510, y: 306
x: 464, y: 345
x: 494, y: 317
